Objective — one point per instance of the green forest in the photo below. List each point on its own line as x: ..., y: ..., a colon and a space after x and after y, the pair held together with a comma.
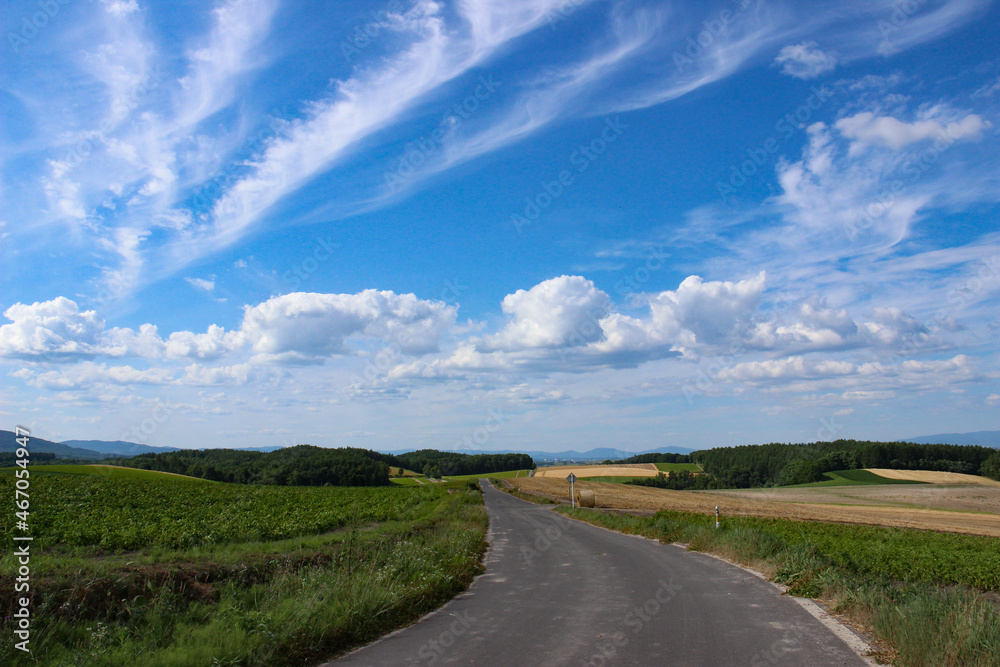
x: 306, y: 465
x: 779, y: 464
x: 433, y: 463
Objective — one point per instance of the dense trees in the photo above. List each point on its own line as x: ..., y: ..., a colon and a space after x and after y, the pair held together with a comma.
x: 679, y: 481
x: 656, y: 458
x: 780, y: 464
x: 303, y: 465
x: 437, y: 464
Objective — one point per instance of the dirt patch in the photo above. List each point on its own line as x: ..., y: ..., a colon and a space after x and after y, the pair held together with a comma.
x: 626, y: 496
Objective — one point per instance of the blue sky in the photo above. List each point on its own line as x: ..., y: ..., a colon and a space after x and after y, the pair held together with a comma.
x: 529, y: 224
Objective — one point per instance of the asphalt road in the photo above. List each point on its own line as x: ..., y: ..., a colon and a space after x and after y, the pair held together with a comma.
x: 561, y: 592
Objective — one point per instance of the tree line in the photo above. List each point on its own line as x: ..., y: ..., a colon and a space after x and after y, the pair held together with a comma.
x: 306, y: 465
x: 434, y: 463
x: 780, y: 464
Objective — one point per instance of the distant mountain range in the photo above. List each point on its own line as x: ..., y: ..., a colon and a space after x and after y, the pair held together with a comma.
x: 8, y: 443
x: 118, y: 447
x: 599, y: 454
x: 982, y: 438
x: 100, y: 449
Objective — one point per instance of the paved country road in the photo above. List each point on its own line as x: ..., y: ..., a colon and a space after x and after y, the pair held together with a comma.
x: 562, y: 592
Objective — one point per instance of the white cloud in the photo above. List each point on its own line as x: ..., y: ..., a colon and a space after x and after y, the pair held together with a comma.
x: 201, y: 283
x: 50, y: 329
x: 866, y: 129
x: 705, y: 314
x: 792, y: 367
x: 563, y: 311
x: 308, y: 327
x: 805, y: 60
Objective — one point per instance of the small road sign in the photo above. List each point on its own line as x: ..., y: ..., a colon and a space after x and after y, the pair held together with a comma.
x: 572, y: 496
x: 571, y: 478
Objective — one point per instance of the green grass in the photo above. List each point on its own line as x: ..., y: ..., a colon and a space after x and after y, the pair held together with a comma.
x: 918, y: 591
x: 499, y: 475
x: 105, y: 471
x: 851, y: 478
x: 677, y: 467
x: 305, y: 574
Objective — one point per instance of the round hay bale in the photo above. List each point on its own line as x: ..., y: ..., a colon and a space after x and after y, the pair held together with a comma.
x: 585, y: 498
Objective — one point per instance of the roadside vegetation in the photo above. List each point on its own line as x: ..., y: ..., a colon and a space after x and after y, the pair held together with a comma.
x: 929, y: 598
x: 135, y: 567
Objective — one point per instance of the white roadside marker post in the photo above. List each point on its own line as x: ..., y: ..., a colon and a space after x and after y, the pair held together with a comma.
x: 716, y: 517
x: 572, y: 496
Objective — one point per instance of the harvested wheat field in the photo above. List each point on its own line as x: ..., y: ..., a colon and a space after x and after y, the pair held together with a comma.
x: 628, y: 497
x: 933, y: 477
x: 952, y: 497
x: 624, y: 470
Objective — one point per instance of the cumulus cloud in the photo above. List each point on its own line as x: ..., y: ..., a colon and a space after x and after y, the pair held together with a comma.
x: 563, y: 311
x: 702, y: 314
x: 866, y: 129
x: 308, y: 327
x: 294, y: 328
x: 51, y: 329
x: 805, y: 60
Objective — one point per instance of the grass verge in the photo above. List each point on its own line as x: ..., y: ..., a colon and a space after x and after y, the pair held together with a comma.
x: 920, y: 618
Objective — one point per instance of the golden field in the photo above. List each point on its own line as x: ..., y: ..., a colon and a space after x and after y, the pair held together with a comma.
x: 625, y: 470
x: 905, y: 506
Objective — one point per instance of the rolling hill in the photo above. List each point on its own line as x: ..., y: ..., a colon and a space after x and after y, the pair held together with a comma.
x: 8, y: 443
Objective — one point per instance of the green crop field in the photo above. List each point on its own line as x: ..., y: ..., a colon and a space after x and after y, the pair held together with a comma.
x: 851, y: 478
x: 136, y: 567
x: 677, y: 467
x: 79, y: 506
